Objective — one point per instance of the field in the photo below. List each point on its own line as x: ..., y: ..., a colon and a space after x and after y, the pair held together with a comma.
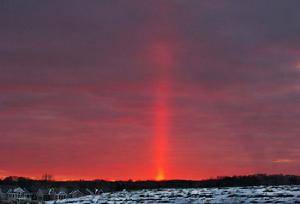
x: 258, y: 194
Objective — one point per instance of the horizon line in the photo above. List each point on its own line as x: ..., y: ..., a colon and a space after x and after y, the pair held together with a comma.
x: 142, y: 180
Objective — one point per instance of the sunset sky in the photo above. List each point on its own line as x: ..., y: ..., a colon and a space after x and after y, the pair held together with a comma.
x: 164, y: 89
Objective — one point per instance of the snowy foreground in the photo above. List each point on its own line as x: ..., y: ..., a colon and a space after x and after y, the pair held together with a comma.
x: 258, y: 194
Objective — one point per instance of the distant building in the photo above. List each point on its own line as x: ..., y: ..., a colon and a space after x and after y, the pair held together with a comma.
x: 88, y: 192
x: 98, y: 191
x: 22, y: 195
x: 44, y: 195
x: 76, y: 193
x: 3, y: 192
x: 19, y: 194
x: 61, y: 194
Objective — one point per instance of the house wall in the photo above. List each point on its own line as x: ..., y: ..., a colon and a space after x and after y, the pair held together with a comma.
x: 18, y: 196
x: 2, y: 196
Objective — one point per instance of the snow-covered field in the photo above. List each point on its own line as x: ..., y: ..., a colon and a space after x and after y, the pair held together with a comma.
x: 258, y: 194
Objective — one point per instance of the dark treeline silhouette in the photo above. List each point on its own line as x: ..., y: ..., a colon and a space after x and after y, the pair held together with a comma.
x: 234, y: 181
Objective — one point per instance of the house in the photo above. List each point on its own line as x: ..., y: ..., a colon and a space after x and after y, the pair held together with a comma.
x: 52, y: 193
x: 79, y: 193
x: 88, y: 192
x: 98, y: 191
x: 43, y: 195
x: 76, y: 193
x: 61, y: 194
x: 3, y: 192
x: 19, y: 194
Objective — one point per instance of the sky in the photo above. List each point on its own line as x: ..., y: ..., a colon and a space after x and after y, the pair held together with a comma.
x: 159, y: 89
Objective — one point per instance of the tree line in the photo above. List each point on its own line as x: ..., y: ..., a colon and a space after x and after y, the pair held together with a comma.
x: 109, y: 186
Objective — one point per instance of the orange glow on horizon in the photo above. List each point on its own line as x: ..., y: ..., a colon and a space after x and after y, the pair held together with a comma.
x: 160, y: 176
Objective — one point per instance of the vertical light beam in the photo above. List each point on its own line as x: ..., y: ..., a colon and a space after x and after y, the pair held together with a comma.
x: 162, y: 57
